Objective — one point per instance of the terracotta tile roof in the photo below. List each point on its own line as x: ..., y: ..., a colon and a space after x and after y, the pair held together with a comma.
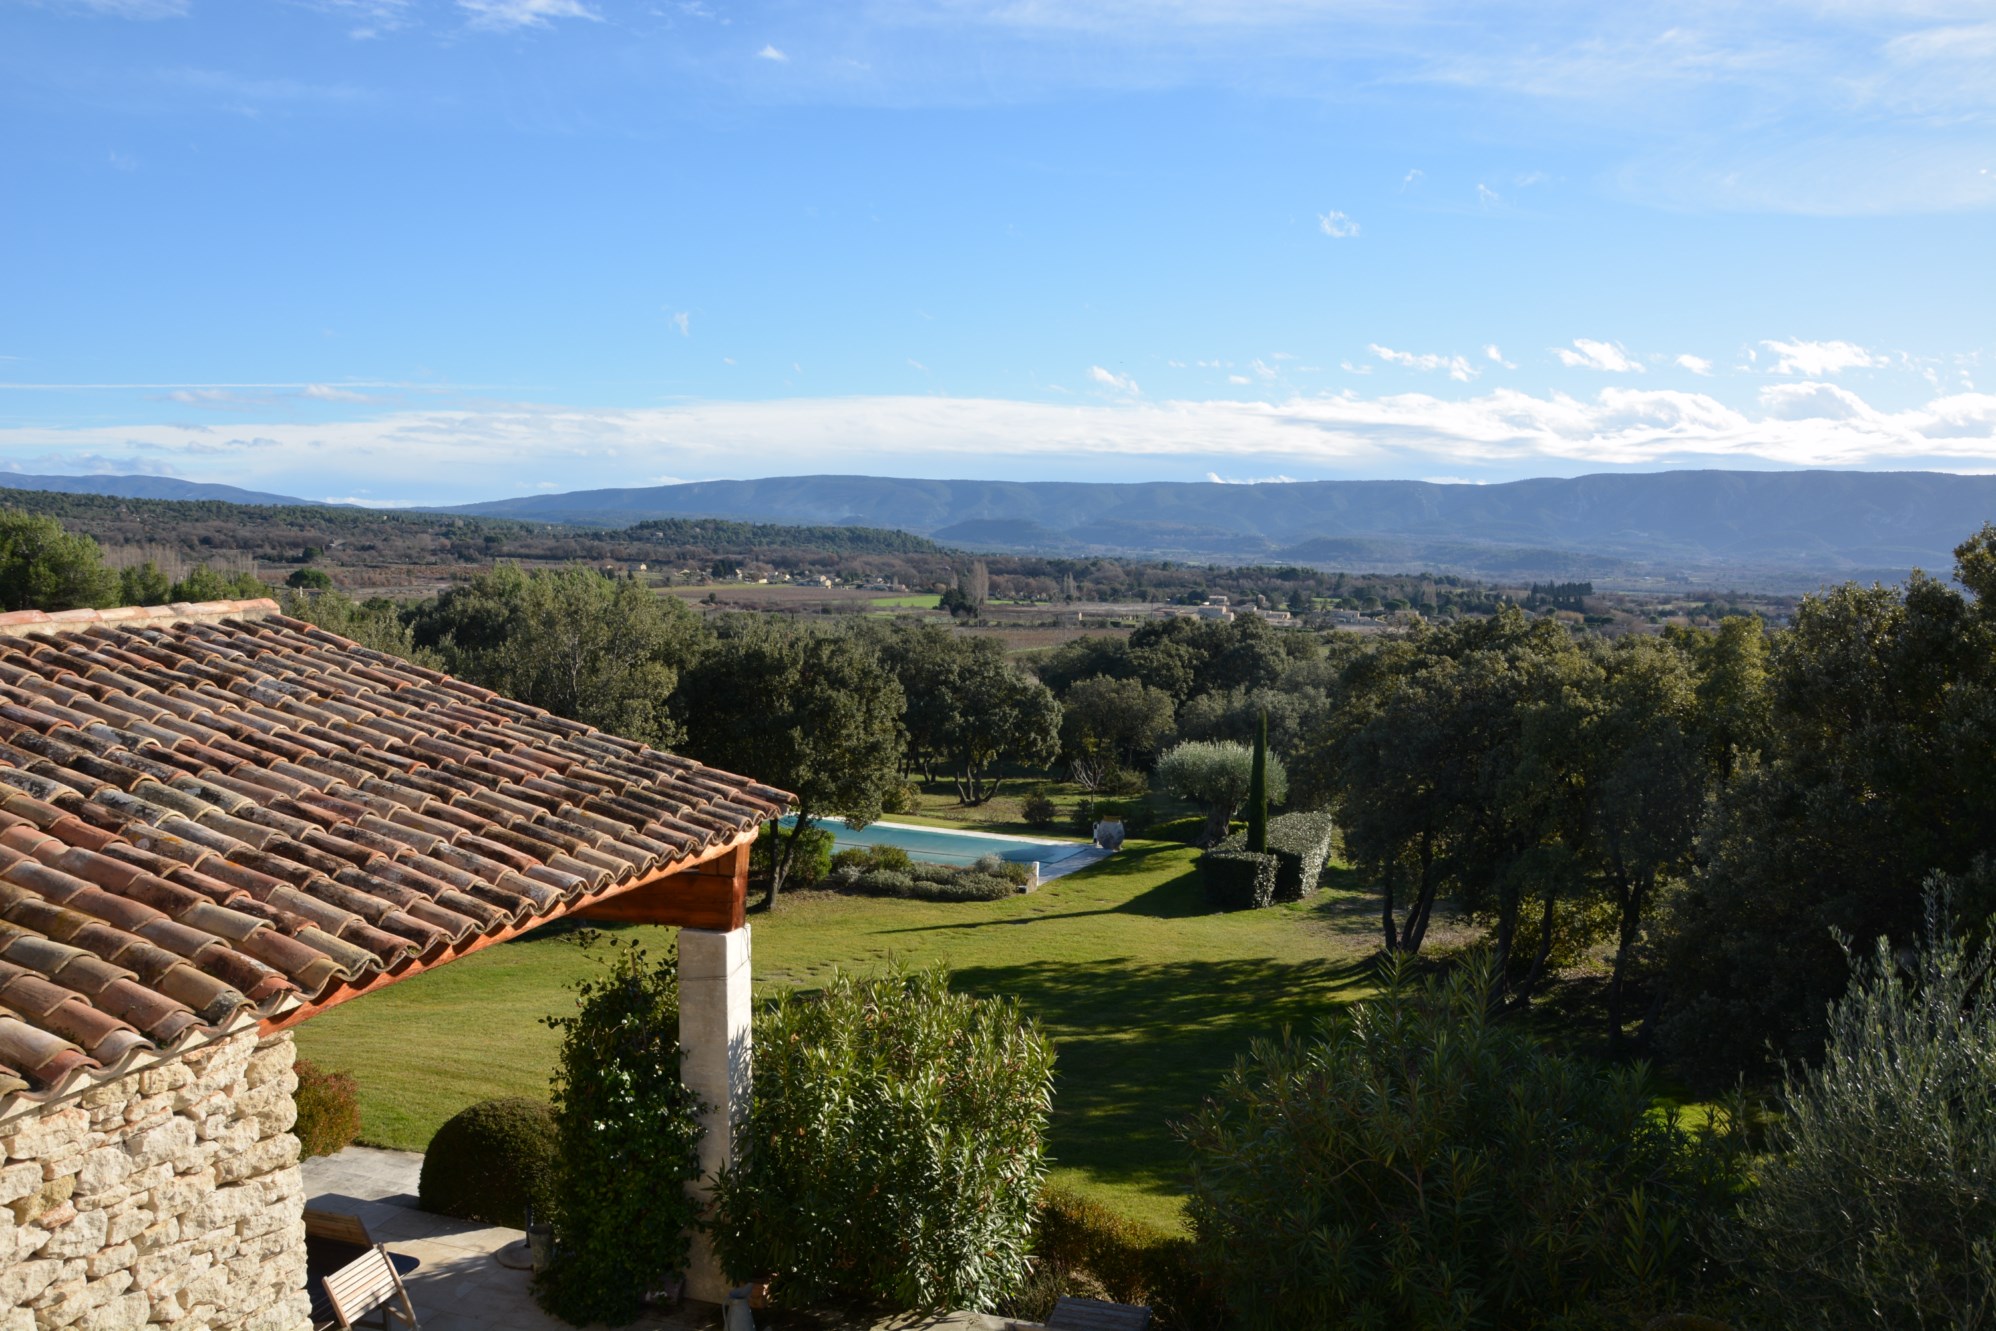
x: 210, y: 814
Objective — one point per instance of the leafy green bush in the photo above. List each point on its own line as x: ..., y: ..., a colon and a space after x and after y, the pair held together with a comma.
x: 1301, y: 843
x: 1039, y: 810
x: 1237, y: 879
x: 1418, y: 1164
x: 328, y: 1109
x: 491, y: 1162
x: 627, y: 1132
x: 1186, y: 831
x: 1873, y: 1207
x: 814, y: 854
x: 892, y: 1152
x: 1085, y: 1249
x: 997, y: 866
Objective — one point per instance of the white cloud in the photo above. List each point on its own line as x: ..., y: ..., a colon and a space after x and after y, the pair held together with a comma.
x: 1491, y: 352
x: 771, y: 53
x: 1217, y: 479
x: 506, y: 15
x: 1336, y: 225
x: 1458, y: 367
x: 683, y: 321
x: 1695, y: 364
x: 1121, y: 383
x: 1587, y: 354
x: 1487, y: 197
x: 914, y: 364
x: 448, y: 451
x: 331, y: 393
x: 1239, y: 379
x: 1816, y: 359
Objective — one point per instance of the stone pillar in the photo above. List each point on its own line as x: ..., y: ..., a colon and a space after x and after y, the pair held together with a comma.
x: 714, y: 1012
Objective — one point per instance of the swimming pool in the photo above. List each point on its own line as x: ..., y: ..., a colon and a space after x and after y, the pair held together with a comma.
x: 939, y: 845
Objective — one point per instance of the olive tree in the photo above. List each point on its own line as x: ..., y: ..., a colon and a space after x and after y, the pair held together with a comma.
x: 1217, y: 775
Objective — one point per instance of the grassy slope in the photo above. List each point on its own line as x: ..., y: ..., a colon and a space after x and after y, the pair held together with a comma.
x: 1149, y: 998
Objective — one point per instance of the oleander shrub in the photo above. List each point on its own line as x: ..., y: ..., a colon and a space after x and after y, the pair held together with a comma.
x: 1039, y: 810
x: 328, y: 1106
x: 814, y: 854
x: 1873, y: 1205
x: 892, y: 1152
x: 627, y: 1133
x: 1237, y: 879
x: 1301, y: 844
x: 1419, y: 1162
x: 491, y: 1162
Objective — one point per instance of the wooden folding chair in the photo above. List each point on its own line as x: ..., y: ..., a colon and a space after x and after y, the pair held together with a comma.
x: 370, y: 1284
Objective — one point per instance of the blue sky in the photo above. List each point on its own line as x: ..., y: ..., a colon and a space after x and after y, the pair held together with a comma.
x: 431, y: 250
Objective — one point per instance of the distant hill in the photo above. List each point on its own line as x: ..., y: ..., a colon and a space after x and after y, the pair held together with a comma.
x: 143, y: 487
x: 1788, y: 529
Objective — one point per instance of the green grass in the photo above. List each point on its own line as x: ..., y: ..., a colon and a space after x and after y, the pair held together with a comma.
x: 1149, y: 997
x: 917, y: 601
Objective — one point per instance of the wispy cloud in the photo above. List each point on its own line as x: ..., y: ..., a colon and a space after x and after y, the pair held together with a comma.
x: 1336, y: 225
x: 1458, y: 367
x: 133, y: 9
x: 1119, y: 383
x: 683, y: 321
x: 1815, y: 359
x: 1492, y: 353
x: 1695, y: 364
x: 508, y: 15
x: 1587, y: 354
x: 772, y: 53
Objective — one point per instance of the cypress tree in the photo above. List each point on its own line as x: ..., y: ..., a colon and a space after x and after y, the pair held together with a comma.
x: 1257, y: 806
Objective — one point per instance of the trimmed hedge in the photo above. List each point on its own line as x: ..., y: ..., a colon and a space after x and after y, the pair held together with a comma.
x: 1301, y: 843
x: 1238, y: 879
x: 491, y: 1162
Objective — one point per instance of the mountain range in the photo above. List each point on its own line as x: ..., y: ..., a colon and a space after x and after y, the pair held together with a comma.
x: 1778, y: 529
x: 1781, y: 530
x: 143, y: 487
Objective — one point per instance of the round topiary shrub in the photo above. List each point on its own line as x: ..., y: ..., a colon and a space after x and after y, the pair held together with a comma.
x: 491, y: 1162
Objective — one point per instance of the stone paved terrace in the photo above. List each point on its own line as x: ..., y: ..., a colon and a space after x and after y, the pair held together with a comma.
x: 461, y: 1286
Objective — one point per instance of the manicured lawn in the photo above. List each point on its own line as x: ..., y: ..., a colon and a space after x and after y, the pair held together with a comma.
x: 1149, y: 997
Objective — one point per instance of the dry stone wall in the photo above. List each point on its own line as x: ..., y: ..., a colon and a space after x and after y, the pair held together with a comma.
x: 168, y: 1197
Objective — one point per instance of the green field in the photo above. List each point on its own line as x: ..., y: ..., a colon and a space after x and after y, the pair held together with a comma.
x: 1149, y: 997
x: 915, y: 601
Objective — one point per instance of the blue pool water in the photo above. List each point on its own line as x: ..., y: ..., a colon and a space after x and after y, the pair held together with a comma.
x: 939, y: 846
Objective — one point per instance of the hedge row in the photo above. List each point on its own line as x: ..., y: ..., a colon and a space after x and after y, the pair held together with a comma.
x: 1301, y: 845
x: 927, y: 882
x: 1238, y: 879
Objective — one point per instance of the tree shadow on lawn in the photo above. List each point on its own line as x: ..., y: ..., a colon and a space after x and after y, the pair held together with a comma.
x: 1141, y: 1045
